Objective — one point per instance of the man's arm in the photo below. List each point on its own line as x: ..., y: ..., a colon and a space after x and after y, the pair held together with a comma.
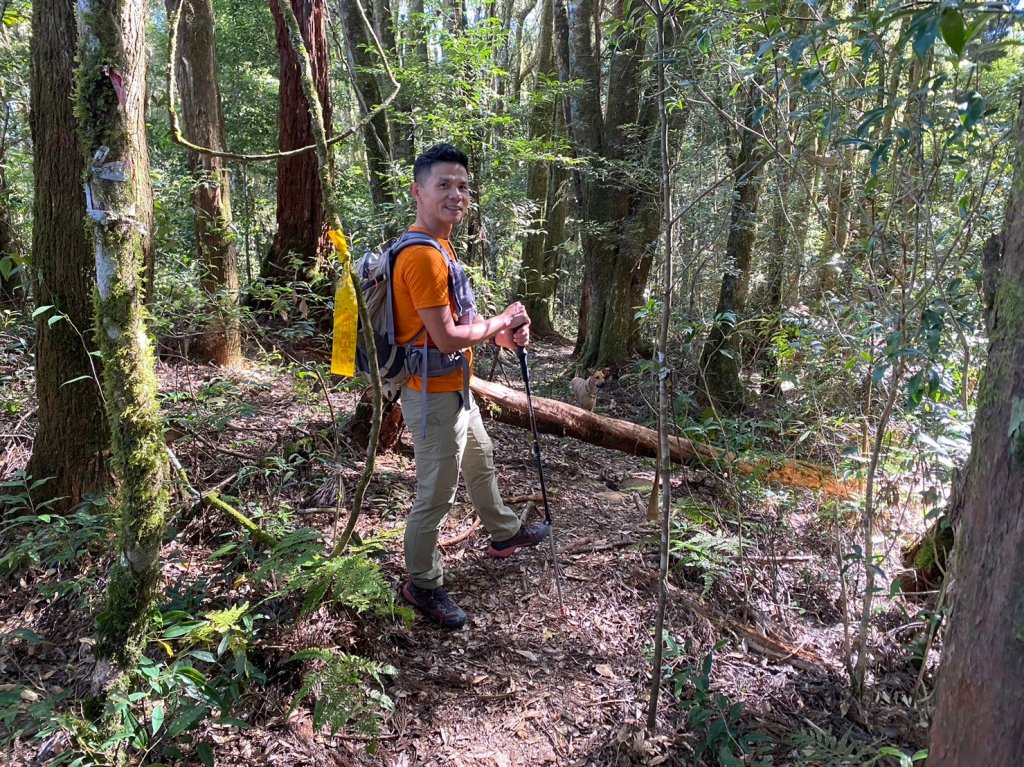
x: 511, y: 328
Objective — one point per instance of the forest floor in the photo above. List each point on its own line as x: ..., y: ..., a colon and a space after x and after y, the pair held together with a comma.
x: 755, y: 608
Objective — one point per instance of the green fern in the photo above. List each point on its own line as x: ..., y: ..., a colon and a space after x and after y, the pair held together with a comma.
x: 351, y: 580
x: 819, y: 747
x: 709, y: 553
x: 348, y: 690
x: 220, y: 622
x: 294, y: 551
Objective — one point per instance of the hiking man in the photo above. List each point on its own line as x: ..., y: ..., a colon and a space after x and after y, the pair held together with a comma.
x: 432, y: 293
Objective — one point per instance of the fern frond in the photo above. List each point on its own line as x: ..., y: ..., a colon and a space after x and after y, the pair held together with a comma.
x: 351, y: 580
x: 296, y: 550
x: 348, y: 690
x: 820, y: 747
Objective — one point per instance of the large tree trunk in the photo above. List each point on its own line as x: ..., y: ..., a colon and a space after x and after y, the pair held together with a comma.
x: 979, y: 718
x: 720, y: 359
x: 537, y: 282
x: 111, y: 104
x: 376, y: 134
x: 221, y: 341
x: 71, y: 436
x: 619, y: 210
x: 301, y: 237
x: 414, y: 56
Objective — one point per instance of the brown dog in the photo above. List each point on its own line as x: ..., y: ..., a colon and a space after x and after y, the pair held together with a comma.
x: 585, y: 389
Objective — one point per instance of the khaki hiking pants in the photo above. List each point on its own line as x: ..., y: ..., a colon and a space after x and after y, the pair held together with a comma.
x: 454, y: 438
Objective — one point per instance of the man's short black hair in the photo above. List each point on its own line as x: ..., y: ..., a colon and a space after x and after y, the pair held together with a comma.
x: 438, y: 153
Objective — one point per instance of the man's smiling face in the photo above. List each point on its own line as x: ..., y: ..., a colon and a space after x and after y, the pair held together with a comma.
x: 442, y: 197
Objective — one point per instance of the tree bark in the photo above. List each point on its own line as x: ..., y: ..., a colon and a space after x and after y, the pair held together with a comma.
x: 71, y: 435
x: 979, y: 717
x: 221, y: 339
x: 111, y: 107
x: 720, y: 359
x: 537, y: 288
x: 619, y: 204
x: 301, y: 238
x: 376, y: 133
x: 414, y: 56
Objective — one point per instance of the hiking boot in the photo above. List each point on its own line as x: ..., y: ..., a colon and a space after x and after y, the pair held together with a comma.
x: 435, y: 604
x: 528, y: 535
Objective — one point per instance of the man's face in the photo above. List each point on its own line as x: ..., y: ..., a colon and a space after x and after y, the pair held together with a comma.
x: 442, y: 198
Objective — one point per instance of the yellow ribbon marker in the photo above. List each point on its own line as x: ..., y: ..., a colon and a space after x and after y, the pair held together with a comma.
x: 346, y: 313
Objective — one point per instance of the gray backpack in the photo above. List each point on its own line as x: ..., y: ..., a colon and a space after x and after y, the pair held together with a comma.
x: 395, y: 361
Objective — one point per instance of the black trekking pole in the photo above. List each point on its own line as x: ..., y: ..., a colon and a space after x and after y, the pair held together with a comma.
x: 521, y: 351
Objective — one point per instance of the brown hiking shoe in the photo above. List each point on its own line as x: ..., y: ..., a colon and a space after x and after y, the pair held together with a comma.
x: 436, y: 605
x: 528, y: 535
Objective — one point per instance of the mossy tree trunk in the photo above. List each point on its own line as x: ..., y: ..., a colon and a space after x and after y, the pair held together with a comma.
x: 720, y: 358
x: 979, y: 717
x: 301, y: 238
x: 221, y: 339
x: 71, y: 436
x: 111, y: 111
x: 779, y: 258
x: 619, y: 203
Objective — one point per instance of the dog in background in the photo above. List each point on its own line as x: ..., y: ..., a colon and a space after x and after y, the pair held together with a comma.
x: 585, y: 389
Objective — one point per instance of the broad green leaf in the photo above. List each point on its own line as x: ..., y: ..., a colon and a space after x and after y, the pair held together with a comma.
x: 157, y: 719
x: 811, y: 79
x: 205, y: 754
x: 189, y: 718
x: 25, y: 634
x: 953, y: 32
x: 704, y: 42
x: 925, y: 36
x: 41, y: 309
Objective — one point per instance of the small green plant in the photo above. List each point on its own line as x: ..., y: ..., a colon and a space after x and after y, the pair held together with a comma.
x: 695, y: 550
x: 816, y: 746
x: 348, y: 689
x: 33, y: 535
x: 205, y: 673
x: 353, y: 580
x: 712, y: 717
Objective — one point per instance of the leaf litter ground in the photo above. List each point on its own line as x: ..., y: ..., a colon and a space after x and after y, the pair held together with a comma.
x: 520, y: 684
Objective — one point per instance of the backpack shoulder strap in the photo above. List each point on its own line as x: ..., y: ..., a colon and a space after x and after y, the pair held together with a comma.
x: 411, y: 237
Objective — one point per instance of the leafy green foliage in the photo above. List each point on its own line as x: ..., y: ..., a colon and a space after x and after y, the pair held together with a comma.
x: 32, y: 535
x: 353, y: 581
x: 721, y: 736
x: 348, y: 689
x: 695, y: 550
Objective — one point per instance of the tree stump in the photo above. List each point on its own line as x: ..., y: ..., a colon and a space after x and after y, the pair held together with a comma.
x: 391, y: 423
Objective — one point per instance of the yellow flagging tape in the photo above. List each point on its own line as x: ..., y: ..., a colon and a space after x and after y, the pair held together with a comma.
x: 346, y: 313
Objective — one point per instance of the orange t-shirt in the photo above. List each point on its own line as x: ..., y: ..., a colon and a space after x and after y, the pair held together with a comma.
x: 420, y: 281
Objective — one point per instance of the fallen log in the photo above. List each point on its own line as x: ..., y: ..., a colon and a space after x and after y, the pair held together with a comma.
x: 564, y: 420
